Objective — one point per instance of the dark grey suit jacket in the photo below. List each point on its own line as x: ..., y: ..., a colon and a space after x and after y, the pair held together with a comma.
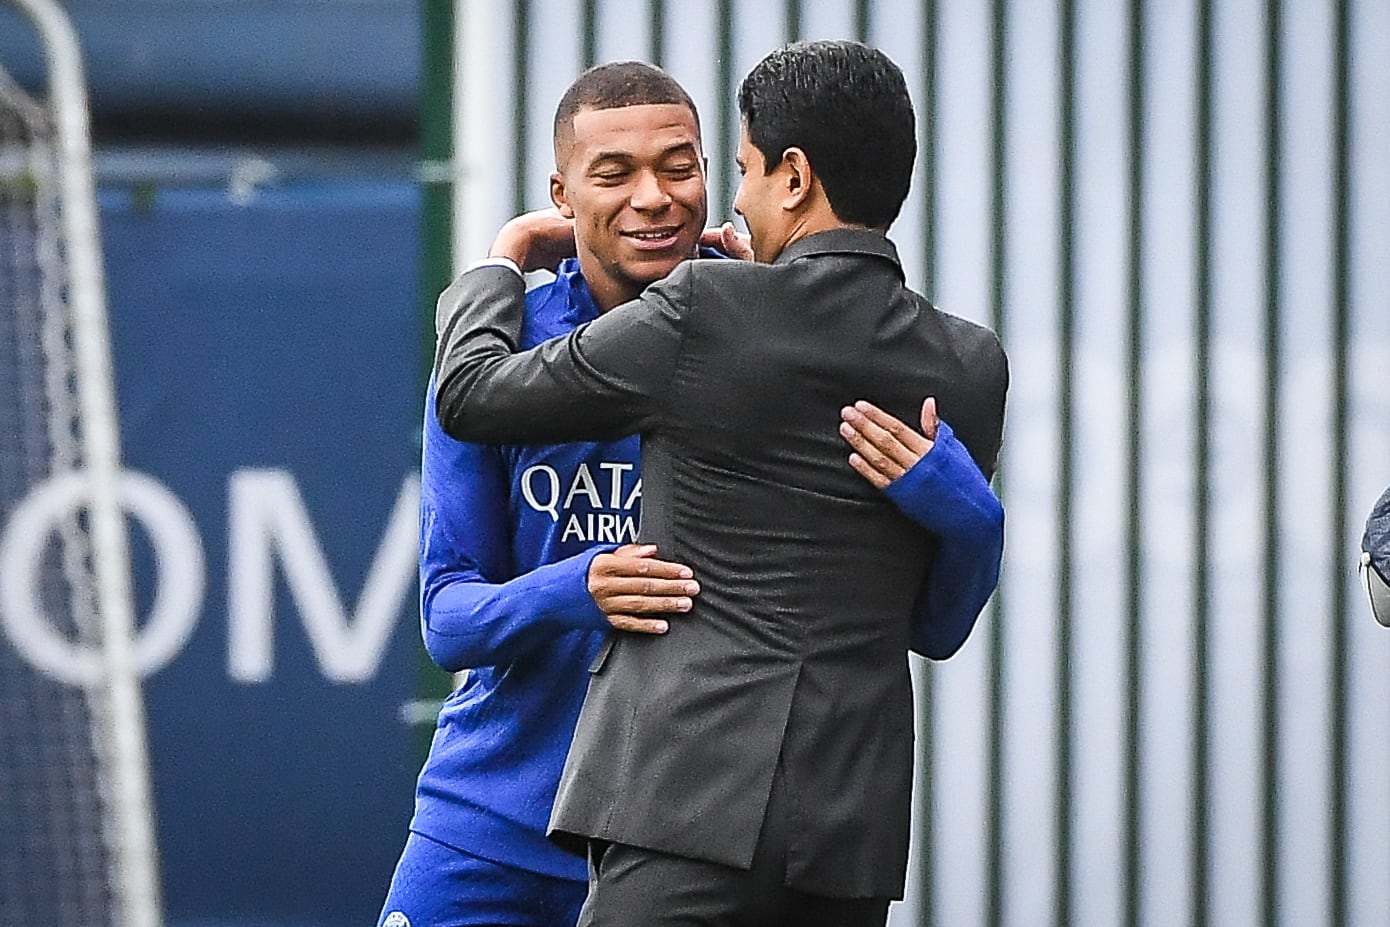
x: 734, y: 374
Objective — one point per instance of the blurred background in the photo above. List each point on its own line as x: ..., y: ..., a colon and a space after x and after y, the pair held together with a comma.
x: 1176, y: 214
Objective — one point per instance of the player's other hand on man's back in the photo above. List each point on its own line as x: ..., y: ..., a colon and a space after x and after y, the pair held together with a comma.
x: 635, y: 590
x: 537, y: 240
x: 884, y: 446
x: 729, y: 240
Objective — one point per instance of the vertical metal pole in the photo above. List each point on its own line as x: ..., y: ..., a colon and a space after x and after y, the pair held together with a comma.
x: 130, y: 835
x: 1272, y: 549
x: 437, y: 42
x: 726, y: 133
x: 792, y: 17
x: 1134, y: 478
x: 589, y: 26
x: 1064, y: 748
x: 930, y: 47
x: 656, y: 33
x: 1200, y: 866
x: 863, y: 19
x: 521, y: 68
x: 476, y: 127
x: 925, y: 825
x: 998, y: 274
x: 437, y: 155
x: 1339, y: 891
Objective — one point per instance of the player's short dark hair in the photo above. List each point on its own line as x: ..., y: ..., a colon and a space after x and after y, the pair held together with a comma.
x: 618, y: 84
x: 846, y: 105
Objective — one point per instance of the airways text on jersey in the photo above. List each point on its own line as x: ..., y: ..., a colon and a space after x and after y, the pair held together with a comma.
x: 594, y: 507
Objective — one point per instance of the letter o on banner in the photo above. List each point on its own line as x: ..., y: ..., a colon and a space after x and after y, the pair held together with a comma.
x: 179, y: 567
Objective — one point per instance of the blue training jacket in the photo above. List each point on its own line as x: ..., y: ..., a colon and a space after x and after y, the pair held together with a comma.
x: 506, y: 537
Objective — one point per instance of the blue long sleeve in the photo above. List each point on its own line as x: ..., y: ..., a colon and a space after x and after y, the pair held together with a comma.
x: 473, y: 611
x: 947, y: 495
x: 506, y: 538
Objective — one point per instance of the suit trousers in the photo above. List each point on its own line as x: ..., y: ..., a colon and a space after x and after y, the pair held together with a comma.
x: 635, y: 887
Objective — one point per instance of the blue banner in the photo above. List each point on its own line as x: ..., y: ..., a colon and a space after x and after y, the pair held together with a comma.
x: 268, y: 359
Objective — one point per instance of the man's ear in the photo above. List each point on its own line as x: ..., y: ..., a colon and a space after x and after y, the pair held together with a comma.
x: 558, y: 195
x: 799, y: 179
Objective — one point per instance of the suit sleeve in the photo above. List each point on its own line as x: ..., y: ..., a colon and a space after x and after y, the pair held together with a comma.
x: 471, y: 613
x: 979, y: 410
x: 946, y: 493
x: 604, y: 380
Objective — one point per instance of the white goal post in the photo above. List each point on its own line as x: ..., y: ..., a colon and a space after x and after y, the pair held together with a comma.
x: 58, y: 408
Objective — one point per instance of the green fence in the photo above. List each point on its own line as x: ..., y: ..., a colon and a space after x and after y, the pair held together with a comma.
x: 1177, y: 215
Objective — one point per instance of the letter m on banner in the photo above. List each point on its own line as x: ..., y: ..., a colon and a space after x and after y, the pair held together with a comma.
x: 267, y: 518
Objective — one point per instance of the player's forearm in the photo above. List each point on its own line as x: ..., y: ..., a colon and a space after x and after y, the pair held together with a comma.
x: 962, y: 578
x: 468, y: 623
x: 947, y: 495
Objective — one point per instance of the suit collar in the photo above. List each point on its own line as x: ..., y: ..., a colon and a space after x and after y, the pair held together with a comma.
x: 842, y: 241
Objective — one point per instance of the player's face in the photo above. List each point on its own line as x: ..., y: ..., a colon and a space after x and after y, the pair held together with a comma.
x: 759, y: 201
x: 633, y: 180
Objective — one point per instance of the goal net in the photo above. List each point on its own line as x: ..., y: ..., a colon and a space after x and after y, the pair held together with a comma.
x: 76, y: 833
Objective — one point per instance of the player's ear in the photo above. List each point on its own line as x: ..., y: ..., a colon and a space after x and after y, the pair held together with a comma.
x: 558, y: 195
x: 797, y: 178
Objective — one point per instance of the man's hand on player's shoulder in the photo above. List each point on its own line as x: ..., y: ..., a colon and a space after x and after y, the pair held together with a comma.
x: 629, y: 585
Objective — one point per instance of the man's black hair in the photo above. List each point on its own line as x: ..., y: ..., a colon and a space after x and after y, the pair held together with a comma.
x: 618, y: 84
x: 846, y: 105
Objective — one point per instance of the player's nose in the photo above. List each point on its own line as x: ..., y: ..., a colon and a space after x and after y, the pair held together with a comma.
x: 649, y: 192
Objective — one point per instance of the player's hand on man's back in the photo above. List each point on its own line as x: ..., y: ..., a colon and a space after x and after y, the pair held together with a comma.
x: 633, y: 588
x: 537, y: 240
x: 884, y: 446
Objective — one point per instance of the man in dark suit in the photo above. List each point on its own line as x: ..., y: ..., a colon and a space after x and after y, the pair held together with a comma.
x: 753, y: 765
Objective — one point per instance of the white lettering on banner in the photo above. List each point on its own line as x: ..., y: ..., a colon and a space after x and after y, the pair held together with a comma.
x: 267, y: 515
x: 179, y: 564
x: 266, y: 518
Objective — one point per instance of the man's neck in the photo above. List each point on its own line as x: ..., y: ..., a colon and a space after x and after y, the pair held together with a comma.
x: 817, y: 218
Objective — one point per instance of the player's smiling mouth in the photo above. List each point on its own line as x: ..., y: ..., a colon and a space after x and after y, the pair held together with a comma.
x: 654, y: 238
